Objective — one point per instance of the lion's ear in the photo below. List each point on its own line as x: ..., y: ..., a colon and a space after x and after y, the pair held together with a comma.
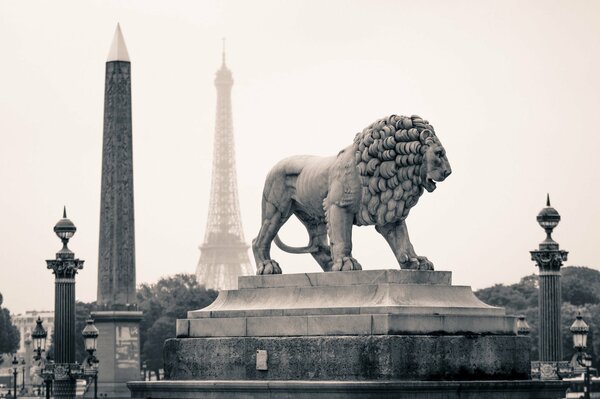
x: 426, y: 137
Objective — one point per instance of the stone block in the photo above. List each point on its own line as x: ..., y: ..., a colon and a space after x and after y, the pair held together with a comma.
x: 348, y: 324
x: 182, y: 328
x: 365, y: 292
x: 350, y: 358
x: 443, y: 324
x: 277, y: 326
x: 340, y: 325
x: 345, y: 278
x: 225, y: 327
x: 270, y: 389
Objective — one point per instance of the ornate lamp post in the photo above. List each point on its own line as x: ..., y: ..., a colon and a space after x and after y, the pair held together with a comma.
x: 580, y: 330
x: 39, y: 335
x: 144, y: 369
x: 64, y: 267
x: 23, y: 375
x: 90, y: 337
x: 522, y: 326
x: 15, y: 364
x: 549, y: 258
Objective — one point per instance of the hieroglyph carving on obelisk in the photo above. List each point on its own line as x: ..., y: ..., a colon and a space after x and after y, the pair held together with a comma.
x: 116, y: 256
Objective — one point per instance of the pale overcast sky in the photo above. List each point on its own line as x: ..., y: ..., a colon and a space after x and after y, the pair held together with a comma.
x: 512, y: 88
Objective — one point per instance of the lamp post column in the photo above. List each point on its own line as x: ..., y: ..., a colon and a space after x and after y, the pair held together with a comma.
x: 64, y: 267
x: 549, y: 259
x: 15, y: 364
x: 23, y: 376
x: 27, y: 373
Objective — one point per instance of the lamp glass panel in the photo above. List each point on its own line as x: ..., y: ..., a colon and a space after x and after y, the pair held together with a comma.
x: 578, y: 340
x: 90, y: 343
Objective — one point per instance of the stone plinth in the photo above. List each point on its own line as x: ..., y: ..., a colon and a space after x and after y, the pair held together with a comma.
x: 118, y: 336
x: 348, y: 389
x: 344, y: 326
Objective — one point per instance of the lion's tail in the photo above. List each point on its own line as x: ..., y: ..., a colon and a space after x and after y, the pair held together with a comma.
x: 310, y: 248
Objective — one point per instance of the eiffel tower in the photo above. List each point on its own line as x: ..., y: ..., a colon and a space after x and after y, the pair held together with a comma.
x: 224, y: 252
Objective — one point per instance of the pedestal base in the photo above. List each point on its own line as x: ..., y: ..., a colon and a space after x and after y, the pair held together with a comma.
x: 118, y: 351
x: 344, y: 326
x: 349, y: 358
x: 348, y: 390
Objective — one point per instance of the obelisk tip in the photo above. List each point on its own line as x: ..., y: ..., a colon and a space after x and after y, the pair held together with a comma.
x: 118, y: 50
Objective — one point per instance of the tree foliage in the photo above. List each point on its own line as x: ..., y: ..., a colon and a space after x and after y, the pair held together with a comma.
x: 9, y: 334
x: 162, y: 303
x: 580, y: 287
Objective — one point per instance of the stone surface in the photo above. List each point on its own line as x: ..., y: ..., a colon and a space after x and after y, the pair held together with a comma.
x: 358, y: 292
x: 116, y: 254
x: 380, y: 302
x: 328, y: 279
x: 348, y: 358
x: 119, y: 341
x: 117, y: 319
x: 360, y: 325
x: 348, y: 324
x: 349, y: 389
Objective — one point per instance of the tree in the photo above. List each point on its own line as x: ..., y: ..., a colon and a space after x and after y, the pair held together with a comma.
x: 580, y: 293
x: 162, y: 303
x: 9, y: 334
x: 580, y: 285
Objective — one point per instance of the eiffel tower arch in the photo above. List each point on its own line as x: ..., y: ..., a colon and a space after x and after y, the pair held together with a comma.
x: 224, y: 252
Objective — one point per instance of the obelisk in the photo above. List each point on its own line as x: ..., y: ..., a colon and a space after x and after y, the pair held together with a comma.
x: 117, y: 318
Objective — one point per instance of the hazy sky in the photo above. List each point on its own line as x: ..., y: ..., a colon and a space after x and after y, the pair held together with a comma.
x: 512, y: 89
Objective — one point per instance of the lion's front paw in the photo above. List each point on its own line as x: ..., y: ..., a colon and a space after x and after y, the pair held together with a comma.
x: 418, y: 263
x: 345, y: 264
x: 424, y: 263
x: 268, y: 267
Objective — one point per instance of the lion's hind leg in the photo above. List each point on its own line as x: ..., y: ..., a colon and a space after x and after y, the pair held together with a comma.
x: 261, y: 245
x: 276, y: 210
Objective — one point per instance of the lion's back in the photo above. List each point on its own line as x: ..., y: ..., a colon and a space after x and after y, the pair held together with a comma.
x: 306, y: 180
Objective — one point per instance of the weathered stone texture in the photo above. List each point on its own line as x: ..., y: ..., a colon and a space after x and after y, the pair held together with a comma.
x: 350, y: 358
x: 349, y: 389
x: 116, y: 255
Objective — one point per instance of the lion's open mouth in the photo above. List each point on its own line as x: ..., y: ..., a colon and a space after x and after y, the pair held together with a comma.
x: 429, y: 184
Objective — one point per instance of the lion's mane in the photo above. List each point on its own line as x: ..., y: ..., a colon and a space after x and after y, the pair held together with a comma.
x: 389, y: 156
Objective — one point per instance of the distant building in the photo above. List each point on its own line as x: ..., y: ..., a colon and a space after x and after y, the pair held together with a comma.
x: 26, y: 323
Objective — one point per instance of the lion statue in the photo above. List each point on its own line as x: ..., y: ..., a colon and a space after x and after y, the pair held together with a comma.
x: 374, y: 181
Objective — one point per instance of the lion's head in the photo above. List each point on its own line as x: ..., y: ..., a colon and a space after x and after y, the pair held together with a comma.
x: 397, y: 157
x: 435, y: 166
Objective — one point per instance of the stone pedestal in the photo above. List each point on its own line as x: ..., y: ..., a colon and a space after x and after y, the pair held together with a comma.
x: 372, y: 325
x: 349, y: 389
x: 118, y: 351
